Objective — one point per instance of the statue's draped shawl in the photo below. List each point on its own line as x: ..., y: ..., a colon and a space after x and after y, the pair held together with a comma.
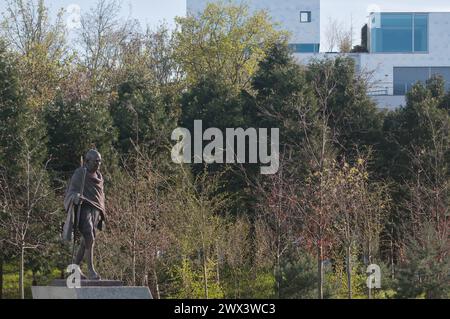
x: 93, y: 195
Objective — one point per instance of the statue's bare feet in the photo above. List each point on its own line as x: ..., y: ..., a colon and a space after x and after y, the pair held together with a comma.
x: 93, y: 275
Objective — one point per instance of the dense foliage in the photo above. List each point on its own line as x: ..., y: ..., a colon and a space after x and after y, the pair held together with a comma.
x: 356, y: 185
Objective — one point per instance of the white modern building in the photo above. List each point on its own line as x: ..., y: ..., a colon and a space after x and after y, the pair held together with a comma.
x: 299, y: 17
x: 405, y: 47
x: 402, y: 47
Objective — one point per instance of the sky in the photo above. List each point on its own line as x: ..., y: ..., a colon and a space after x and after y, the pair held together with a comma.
x: 348, y: 12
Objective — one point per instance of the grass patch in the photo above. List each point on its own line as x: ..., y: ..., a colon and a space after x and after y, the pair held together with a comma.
x: 11, y: 281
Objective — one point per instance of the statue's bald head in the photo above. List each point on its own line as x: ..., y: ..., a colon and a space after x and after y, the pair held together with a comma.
x: 93, y: 160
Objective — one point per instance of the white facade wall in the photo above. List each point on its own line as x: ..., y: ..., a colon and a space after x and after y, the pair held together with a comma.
x: 285, y: 12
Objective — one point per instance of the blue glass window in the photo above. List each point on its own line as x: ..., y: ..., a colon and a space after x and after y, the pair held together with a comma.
x: 395, y: 33
x: 400, y: 32
x: 304, y: 47
x: 421, y: 32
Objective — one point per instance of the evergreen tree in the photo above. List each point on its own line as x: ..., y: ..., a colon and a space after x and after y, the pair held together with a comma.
x: 418, y: 139
x: 282, y: 98
x: 354, y: 120
x: 75, y: 126
x: 426, y: 271
x: 144, y: 118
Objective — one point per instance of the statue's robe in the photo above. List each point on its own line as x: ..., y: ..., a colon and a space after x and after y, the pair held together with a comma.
x: 93, y: 195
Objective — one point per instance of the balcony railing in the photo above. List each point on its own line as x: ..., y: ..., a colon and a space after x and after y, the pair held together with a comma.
x: 380, y: 88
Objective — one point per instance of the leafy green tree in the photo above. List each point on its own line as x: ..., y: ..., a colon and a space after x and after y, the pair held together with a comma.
x: 145, y: 96
x: 42, y: 55
x: 12, y: 112
x: 236, y: 247
x: 26, y: 197
x: 224, y: 41
x: 196, y: 221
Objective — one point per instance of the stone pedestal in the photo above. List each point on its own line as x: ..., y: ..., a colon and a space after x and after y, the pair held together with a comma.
x: 90, y: 289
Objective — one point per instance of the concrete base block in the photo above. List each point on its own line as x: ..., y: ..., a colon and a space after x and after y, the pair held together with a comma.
x: 100, y: 289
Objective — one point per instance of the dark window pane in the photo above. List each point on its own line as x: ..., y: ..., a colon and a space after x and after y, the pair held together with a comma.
x: 406, y: 77
x: 305, y: 16
x: 399, y: 89
x: 445, y: 73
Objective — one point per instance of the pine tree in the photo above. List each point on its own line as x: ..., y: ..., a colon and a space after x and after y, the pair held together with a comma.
x: 75, y: 126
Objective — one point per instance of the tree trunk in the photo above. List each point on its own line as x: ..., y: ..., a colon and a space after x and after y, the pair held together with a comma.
x: 277, y: 274
x: 1, y: 275
x: 133, y: 269
x: 239, y: 288
x: 349, y: 271
x: 204, y: 259
x: 370, y: 263
x: 155, y: 275
x: 320, y: 270
x: 205, y: 275
x: 392, y: 261
x: 235, y: 286
x: 133, y: 262
x: 218, y: 263
x: 34, y: 282
x: 21, y: 273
